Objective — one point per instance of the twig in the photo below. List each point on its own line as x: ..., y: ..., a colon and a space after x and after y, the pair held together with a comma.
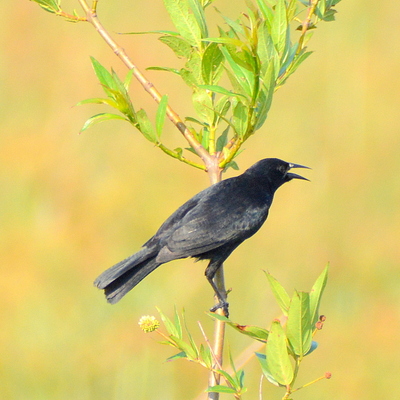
x: 91, y: 16
x: 306, y: 23
x: 260, y: 387
x: 209, y: 345
x: 219, y: 326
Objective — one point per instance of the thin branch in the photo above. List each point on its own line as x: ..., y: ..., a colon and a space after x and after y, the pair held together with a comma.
x: 241, y: 360
x: 260, y: 396
x: 209, y: 345
x: 306, y: 23
x: 180, y: 157
x: 219, y: 327
x: 91, y: 16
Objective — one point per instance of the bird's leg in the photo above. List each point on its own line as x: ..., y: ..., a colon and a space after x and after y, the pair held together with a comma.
x: 210, y: 273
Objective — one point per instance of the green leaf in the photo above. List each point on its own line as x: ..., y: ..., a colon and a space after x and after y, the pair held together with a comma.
x: 121, y: 96
x: 115, y: 90
x: 240, y: 119
x: 320, y: 9
x: 211, y: 64
x: 198, y: 13
x: 316, y: 294
x: 292, y: 10
x: 104, y: 77
x: 288, y: 58
x: 180, y: 46
x: 298, y: 326
x: 222, y: 139
x: 100, y: 118
x: 194, y: 120
x: 243, y: 76
x: 237, y: 88
x: 266, y: 50
x: 278, y: 361
x: 98, y: 100
x: 145, y: 126
x: 220, y: 89
x: 160, y: 115
x: 128, y: 78
x: 239, y: 377
x: 227, y: 377
x: 255, y: 332
x: 178, y: 151
x: 169, y: 325
x: 221, y: 108
x: 188, y: 77
x: 52, y: 6
x: 264, y: 100
x: 205, y: 135
x: 264, y: 367
x: 280, y: 293
x: 226, y: 40
x: 296, y: 63
x: 184, y: 21
x: 329, y: 16
x: 193, y: 65
x: 237, y: 26
x: 202, y: 102
x: 182, y: 354
x: 231, y: 164
x: 205, y: 355
x: 265, y: 10
x: 167, y: 69
x: 192, y: 342
x: 279, y: 28
x: 162, y: 32
x: 313, y: 347
x: 220, y: 389
x: 178, y: 324
x: 191, y: 352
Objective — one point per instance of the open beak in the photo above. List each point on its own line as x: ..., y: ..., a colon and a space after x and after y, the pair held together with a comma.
x: 291, y: 175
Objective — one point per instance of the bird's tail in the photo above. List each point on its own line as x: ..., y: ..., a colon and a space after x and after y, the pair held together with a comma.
x: 118, y: 280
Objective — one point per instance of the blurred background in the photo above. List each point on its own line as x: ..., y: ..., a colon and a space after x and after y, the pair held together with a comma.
x: 73, y: 205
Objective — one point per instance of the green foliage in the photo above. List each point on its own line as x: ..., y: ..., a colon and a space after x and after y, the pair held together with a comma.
x: 257, y: 52
x: 286, y: 343
x: 287, y: 347
x: 254, y: 332
x: 52, y: 6
x: 202, y: 355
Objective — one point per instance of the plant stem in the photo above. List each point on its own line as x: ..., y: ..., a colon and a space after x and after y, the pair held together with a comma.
x: 306, y: 23
x: 91, y: 16
x: 215, y: 174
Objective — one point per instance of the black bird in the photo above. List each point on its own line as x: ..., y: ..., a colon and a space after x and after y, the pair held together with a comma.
x: 208, y: 227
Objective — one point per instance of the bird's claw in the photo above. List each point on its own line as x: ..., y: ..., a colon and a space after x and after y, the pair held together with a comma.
x: 225, y: 307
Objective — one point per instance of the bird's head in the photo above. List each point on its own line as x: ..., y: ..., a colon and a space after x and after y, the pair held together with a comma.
x: 276, y: 171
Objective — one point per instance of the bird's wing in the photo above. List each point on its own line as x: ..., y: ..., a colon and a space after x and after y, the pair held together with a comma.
x: 173, y: 221
x: 216, y: 220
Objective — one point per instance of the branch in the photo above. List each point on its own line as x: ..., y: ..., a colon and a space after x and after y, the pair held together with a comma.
x: 91, y: 16
x: 306, y: 23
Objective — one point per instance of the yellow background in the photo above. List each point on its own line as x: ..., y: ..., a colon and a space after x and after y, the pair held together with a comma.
x: 71, y: 206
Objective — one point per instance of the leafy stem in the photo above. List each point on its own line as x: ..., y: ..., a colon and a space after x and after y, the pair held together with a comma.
x: 91, y: 17
x: 306, y: 24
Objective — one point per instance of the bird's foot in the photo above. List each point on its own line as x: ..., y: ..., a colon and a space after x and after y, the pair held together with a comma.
x: 225, y: 307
